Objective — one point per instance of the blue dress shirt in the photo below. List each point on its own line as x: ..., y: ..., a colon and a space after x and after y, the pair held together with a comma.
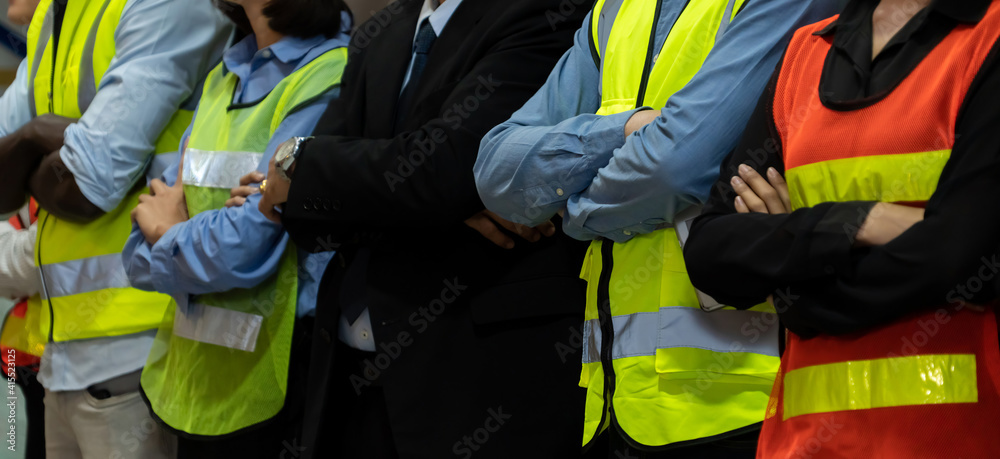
x: 555, y: 154
x: 158, y: 65
x: 238, y: 247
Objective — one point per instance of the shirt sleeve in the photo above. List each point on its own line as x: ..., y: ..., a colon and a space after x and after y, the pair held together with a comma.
x: 671, y: 163
x: 15, y: 108
x: 223, y: 249
x: 740, y: 259
x: 951, y: 257
x: 18, y: 275
x: 163, y: 49
x: 553, y: 145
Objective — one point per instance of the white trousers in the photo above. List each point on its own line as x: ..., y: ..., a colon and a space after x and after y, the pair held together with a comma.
x: 79, y: 426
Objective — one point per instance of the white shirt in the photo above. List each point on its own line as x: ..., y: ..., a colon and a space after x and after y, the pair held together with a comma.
x: 18, y: 275
x: 359, y: 335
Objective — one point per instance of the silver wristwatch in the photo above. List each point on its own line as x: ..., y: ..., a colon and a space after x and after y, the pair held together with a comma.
x: 287, y: 153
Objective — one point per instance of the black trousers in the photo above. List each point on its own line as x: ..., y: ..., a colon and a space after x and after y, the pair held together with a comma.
x: 278, y: 438
x: 34, y: 394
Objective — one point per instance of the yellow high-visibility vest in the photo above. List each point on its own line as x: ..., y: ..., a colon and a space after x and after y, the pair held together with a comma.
x: 220, y: 363
x: 656, y: 366
x: 85, y: 291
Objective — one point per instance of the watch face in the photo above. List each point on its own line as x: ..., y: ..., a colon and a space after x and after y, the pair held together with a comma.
x: 284, y: 151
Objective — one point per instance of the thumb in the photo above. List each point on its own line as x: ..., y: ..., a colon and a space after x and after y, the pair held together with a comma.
x: 180, y: 171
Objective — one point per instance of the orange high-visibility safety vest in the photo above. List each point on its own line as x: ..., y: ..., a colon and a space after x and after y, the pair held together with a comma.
x: 924, y: 386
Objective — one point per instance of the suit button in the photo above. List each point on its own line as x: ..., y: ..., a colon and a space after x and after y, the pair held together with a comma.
x: 325, y: 335
x: 335, y: 204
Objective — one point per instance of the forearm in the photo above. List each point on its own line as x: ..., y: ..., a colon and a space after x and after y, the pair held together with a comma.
x: 20, y: 160
x: 210, y: 252
x: 552, y: 146
x: 56, y: 190
x: 421, y: 178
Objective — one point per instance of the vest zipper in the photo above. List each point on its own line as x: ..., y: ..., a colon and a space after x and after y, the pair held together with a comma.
x: 648, y: 67
x: 41, y: 274
x: 607, y: 324
x: 57, y: 21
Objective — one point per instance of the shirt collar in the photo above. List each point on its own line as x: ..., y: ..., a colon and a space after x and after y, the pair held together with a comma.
x: 289, y: 50
x: 966, y: 11
x: 437, y: 14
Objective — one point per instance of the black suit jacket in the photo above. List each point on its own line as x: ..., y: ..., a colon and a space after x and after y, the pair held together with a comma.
x: 480, y: 329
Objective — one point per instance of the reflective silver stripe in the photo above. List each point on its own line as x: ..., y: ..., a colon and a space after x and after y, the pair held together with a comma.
x: 43, y: 41
x: 727, y: 18
x: 160, y: 164
x: 642, y: 333
x: 218, y: 326
x: 218, y: 169
x: 84, y: 275
x: 87, y: 89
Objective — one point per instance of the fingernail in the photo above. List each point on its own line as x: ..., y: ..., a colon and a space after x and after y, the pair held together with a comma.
x: 509, y: 245
x: 736, y: 181
x: 550, y: 231
x: 772, y: 172
x: 739, y: 200
x: 744, y: 168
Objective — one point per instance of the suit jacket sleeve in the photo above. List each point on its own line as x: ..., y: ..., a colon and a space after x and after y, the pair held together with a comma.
x: 422, y: 178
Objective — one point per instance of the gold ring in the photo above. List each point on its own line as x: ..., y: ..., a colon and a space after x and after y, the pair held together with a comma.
x: 263, y: 185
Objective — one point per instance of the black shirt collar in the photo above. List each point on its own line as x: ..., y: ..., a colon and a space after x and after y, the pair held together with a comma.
x: 967, y: 11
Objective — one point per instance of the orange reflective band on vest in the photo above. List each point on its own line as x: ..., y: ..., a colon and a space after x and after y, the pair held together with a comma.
x: 905, y: 389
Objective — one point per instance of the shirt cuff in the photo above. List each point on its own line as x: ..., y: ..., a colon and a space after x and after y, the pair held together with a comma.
x: 833, y: 238
x: 162, y: 254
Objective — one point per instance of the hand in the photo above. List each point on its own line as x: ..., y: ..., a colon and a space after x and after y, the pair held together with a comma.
x: 886, y: 222
x: 162, y: 209
x: 488, y: 224
x: 274, y: 194
x: 238, y: 196
x: 754, y: 194
x: 639, y: 120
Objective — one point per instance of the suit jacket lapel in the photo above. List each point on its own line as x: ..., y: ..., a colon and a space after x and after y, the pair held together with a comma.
x: 387, y: 58
x: 448, y: 56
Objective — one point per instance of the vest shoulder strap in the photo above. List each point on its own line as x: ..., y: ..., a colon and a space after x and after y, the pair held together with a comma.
x: 310, y: 83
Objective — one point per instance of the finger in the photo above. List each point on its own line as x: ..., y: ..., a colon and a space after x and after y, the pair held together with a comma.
x: 741, y: 207
x: 157, y: 187
x: 526, y: 232
x: 243, y: 191
x: 762, y: 189
x: 144, y: 198
x: 180, y: 169
x: 236, y: 201
x: 548, y: 228
x: 253, y: 177
x: 490, y: 231
x: 779, y: 184
x: 133, y: 214
x: 753, y: 203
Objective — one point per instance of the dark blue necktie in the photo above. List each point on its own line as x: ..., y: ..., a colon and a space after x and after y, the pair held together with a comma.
x: 421, y: 49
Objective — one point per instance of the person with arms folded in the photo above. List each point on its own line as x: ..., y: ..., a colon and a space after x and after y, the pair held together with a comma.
x: 624, y: 140
x: 856, y: 202
x: 123, y: 69
x: 430, y: 335
x: 227, y: 370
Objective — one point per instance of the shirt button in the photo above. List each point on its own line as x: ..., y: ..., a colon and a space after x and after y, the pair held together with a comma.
x: 559, y: 191
x: 627, y: 232
x: 266, y: 54
x: 364, y: 334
